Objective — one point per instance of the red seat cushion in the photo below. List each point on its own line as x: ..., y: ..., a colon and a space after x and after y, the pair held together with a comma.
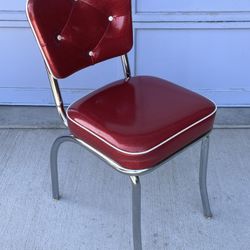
x: 141, y: 122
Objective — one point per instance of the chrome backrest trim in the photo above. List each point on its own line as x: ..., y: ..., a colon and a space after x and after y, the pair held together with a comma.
x: 126, y: 67
x: 37, y: 40
x: 57, y: 97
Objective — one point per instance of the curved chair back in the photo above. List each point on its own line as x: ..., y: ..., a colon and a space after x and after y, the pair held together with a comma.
x: 74, y: 34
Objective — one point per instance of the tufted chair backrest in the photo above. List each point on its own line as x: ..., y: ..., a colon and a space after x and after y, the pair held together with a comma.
x: 74, y: 34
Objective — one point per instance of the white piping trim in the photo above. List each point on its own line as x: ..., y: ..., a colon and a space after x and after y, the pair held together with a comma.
x: 146, y: 151
x: 37, y: 40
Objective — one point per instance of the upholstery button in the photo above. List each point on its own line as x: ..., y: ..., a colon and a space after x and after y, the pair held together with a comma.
x: 91, y: 53
x: 111, y: 18
x: 59, y: 37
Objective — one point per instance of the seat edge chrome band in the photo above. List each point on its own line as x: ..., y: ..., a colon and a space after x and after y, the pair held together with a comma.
x: 146, y: 151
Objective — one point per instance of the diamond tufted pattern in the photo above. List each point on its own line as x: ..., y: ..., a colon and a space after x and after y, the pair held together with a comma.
x: 74, y: 34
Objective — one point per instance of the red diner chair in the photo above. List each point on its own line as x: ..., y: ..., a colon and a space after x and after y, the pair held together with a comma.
x: 134, y: 124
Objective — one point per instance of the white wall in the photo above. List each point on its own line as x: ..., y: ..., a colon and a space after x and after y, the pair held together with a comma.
x: 202, y: 45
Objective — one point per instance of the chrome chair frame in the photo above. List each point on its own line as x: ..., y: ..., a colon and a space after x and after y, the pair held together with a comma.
x: 134, y: 175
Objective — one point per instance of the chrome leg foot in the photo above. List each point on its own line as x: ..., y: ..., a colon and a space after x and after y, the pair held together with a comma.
x: 53, y: 168
x: 136, y: 211
x: 203, y: 177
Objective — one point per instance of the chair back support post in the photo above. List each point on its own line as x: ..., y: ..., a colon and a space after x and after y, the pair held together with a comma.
x: 57, y: 93
x: 57, y: 97
x: 126, y: 66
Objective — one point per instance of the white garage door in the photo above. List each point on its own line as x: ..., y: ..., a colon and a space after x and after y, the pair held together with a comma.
x: 202, y: 45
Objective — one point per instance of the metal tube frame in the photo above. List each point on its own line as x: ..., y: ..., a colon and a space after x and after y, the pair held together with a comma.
x: 134, y: 177
x: 203, y: 177
x: 57, y: 97
x: 133, y: 174
x: 126, y: 67
x: 136, y: 211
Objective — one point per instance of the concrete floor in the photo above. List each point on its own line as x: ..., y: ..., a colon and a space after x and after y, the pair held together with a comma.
x: 95, y: 209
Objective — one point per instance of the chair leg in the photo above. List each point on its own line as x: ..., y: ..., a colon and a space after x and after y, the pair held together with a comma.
x: 54, y: 169
x: 203, y: 177
x: 136, y: 212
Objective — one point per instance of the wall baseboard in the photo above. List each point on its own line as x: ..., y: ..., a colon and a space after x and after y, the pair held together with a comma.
x: 34, y: 117
x: 233, y: 117
x: 37, y: 96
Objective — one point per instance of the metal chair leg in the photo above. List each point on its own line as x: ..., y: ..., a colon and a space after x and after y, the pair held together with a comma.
x: 203, y: 177
x: 53, y: 167
x: 136, y: 211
